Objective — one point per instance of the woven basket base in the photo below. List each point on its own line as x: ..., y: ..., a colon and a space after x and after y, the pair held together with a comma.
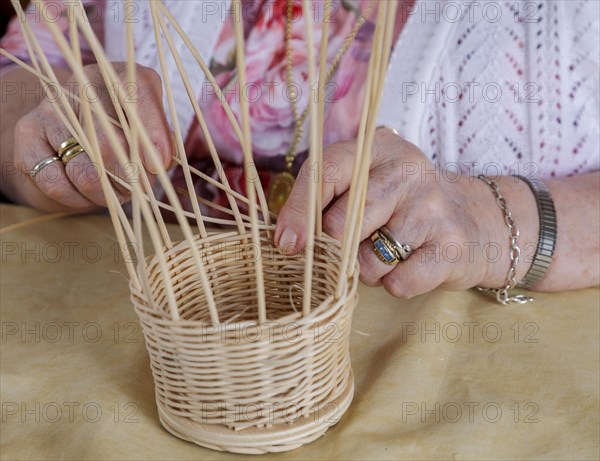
x: 276, y: 438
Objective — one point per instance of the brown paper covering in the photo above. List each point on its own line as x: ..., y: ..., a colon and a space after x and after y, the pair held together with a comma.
x: 443, y: 376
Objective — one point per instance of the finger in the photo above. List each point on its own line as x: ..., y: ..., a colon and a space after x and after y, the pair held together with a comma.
x: 32, y: 147
x: 406, y: 231
x: 290, y: 231
x: 81, y: 168
x: 381, y: 203
x: 423, y: 271
x: 382, y: 193
x: 146, y: 95
x: 334, y: 218
x: 86, y: 178
x: 80, y: 171
x: 387, y: 189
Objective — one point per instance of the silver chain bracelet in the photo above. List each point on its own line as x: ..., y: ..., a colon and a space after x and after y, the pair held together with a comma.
x: 502, y: 294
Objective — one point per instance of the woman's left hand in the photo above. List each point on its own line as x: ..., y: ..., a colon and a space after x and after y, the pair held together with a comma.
x: 451, y: 221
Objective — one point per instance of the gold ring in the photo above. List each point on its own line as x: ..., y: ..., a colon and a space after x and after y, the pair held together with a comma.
x: 388, y: 248
x: 71, y: 153
x: 66, y: 145
x: 384, y: 249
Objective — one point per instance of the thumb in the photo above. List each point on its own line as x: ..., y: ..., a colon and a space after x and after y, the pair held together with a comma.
x: 291, y: 232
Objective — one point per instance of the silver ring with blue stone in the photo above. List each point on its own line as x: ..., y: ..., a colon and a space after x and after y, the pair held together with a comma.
x: 388, y: 249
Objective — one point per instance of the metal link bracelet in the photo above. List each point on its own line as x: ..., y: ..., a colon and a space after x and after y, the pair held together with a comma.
x: 502, y: 294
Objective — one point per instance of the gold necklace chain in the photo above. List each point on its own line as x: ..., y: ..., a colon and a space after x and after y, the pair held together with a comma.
x: 282, y: 184
x: 291, y: 153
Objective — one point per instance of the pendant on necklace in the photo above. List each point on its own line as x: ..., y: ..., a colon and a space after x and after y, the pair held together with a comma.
x: 279, y: 190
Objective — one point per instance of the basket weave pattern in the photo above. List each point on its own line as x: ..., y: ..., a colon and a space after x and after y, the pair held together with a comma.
x: 248, y: 347
x: 240, y: 386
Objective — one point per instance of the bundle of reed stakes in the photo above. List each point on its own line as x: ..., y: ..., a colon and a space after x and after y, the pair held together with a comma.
x: 249, y: 347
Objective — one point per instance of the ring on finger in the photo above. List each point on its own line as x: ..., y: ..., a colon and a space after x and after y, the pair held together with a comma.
x: 404, y: 250
x: 388, y: 249
x: 42, y: 164
x: 387, y: 127
x: 71, y: 153
x: 384, y: 249
x: 66, y: 145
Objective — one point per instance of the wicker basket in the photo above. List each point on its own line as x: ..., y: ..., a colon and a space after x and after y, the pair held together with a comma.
x: 243, y: 359
x: 240, y: 386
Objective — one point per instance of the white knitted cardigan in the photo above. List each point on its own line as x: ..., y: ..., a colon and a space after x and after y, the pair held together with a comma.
x: 481, y: 86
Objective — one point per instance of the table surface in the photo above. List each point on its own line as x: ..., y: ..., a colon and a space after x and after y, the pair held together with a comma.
x: 443, y: 376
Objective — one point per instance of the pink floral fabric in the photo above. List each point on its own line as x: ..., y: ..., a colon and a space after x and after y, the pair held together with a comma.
x: 55, y: 12
x: 272, y: 123
x: 270, y: 108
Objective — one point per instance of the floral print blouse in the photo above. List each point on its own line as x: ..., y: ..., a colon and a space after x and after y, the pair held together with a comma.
x: 272, y: 123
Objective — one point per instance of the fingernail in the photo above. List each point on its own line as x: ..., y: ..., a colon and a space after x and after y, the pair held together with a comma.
x: 171, y: 161
x: 149, y: 163
x: 164, y: 155
x: 287, y: 242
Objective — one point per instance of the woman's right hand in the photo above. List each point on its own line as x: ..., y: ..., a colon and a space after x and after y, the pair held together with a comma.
x: 76, y: 184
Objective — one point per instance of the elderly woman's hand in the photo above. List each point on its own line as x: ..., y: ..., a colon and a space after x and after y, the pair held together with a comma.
x: 450, y: 220
x: 76, y: 184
